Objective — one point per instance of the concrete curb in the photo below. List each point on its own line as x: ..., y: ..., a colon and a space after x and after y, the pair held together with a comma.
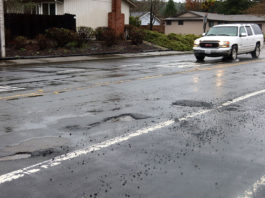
x: 71, y: 59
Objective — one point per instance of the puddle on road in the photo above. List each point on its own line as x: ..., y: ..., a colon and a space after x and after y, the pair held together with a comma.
x: 192, y: 103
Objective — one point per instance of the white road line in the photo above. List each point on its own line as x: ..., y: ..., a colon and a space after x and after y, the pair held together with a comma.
x: 8, y: 88
x: 58, y: 160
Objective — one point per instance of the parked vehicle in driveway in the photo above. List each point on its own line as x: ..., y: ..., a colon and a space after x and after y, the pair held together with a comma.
x: 229, y: 40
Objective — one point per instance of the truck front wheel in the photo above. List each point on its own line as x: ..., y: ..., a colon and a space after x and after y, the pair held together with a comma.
x: 233, y: 55
x: 200, y: 57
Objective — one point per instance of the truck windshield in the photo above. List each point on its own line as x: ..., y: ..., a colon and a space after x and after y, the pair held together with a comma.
x: 223, y: 31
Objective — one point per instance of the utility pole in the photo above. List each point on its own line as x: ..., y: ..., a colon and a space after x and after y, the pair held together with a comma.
x: 151, y: 15
x: 2, y: 30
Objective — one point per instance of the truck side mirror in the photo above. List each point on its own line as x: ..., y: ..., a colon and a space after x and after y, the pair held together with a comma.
x: 203, y: 34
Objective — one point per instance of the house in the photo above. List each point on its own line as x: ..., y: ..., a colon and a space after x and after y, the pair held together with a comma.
x: 191, y: 22
x: 90, y: 13
x: 144, y: 17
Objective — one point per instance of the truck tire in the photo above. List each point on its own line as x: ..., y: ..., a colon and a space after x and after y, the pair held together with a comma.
x: 200, y: 57
x: 233, y: 55
x: 256, y: 53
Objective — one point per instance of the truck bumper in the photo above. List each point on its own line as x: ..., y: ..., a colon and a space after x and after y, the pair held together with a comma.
x: 212, y: 52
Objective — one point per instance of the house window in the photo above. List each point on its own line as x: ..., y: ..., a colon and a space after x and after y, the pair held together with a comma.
x: 211, y: 23
x: 48, y: 9
x: 168, y: 22
x: 181, y: 22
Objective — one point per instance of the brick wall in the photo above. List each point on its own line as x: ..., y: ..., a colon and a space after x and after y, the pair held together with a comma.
x: 116, y: 18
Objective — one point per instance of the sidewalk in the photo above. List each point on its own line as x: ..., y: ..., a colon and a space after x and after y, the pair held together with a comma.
x: 69, y: 59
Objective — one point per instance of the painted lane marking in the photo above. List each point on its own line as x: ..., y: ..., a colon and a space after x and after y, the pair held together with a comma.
x: 130, y: 80
x: 8, y: 88
x: 58, y: 160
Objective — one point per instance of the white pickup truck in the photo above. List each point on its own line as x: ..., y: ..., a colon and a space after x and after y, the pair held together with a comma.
x: 229, y: 40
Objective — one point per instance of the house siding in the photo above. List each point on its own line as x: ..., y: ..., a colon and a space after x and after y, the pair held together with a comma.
x: 91, y: 13
x: 59, y: 8
x: 125, y: 9
x: 189, y: 27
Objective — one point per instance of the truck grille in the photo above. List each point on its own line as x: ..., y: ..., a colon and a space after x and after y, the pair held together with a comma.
x: 209, y: 44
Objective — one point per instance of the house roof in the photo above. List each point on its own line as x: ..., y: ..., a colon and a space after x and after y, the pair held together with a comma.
x: 218, y: 17
x: 141, y: 14
x: 131, y: 3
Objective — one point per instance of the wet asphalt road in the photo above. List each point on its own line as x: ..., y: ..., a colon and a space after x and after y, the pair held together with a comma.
x: 51, y: 110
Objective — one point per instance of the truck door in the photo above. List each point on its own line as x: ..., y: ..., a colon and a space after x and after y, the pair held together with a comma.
x: 243, y: 41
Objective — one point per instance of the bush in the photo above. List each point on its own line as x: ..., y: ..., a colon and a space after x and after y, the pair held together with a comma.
x: 172, y: 41
x: 72, y: 45
x: 8, y: 35
x: 137, y: 36
x: 85, y: 33
x: 99, y: 33
x: 109, y: 37
x: 20, y: 42
x: 135, y: 21
x: 45, y: 43
x: 62, y: 36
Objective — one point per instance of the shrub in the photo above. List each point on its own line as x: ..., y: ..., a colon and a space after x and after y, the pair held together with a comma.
x: 99, y: 33
x: 85, y: 33
x: 137, y: 36
x: 109, y: 37
x: 20, y: 42
x: 135, y: 21
x: 62, y: 36
x: 8, y: 35
x: 72, y: 45
x: 45, y: 43
x: 171, y: 41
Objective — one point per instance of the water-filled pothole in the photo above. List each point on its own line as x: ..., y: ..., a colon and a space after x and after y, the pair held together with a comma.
x: 192, y: 103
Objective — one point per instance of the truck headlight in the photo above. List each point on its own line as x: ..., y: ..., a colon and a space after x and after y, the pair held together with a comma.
x: 196, y: 43
x: 224, y: 44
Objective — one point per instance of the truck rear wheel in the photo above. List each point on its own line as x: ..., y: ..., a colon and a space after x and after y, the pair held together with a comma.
x: 256, y: 53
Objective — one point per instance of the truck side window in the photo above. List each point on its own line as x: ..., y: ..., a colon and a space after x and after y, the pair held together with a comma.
x: 242, y: 30
x: 250, y: 33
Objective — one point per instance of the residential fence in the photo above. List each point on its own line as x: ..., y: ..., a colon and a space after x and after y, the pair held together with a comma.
x: 29, y: 25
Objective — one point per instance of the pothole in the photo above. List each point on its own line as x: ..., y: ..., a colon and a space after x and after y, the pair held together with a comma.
x: 36, y: 147
x: 192, y: 103
x: 126, y: 118
x: 231, y: 108
x: 120, y: 118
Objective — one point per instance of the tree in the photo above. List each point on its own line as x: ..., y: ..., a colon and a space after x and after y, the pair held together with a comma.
x: 235, y: 6
x: 257, y: 9
x: 170, y: 9
x: 194, y: 5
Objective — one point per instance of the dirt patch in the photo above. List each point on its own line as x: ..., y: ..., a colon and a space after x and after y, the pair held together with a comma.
x: 192, y: 103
